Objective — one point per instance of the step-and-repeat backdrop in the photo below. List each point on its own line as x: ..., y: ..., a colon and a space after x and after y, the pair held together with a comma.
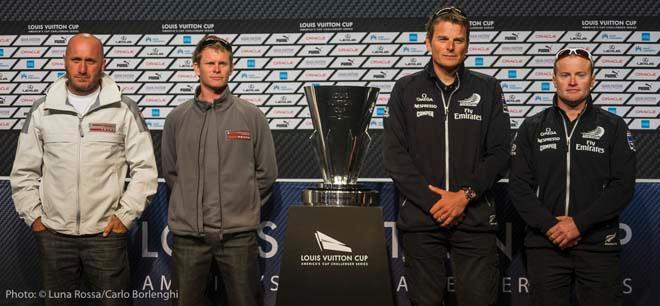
x: 274, y: 60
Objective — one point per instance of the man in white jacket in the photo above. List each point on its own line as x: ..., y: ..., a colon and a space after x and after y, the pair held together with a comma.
x: 74, y: 151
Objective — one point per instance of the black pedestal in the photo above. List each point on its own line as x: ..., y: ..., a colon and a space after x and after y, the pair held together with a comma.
x: 335, y: 256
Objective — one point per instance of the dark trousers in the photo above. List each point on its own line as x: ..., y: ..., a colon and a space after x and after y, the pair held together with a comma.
x: 474, y: 260
x: 236, y: 258
x: 552, y: 274
x: 102, y: 262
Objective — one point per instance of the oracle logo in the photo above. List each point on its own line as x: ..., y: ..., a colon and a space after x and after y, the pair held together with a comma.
x: 646, y: 111
x: 28, y: 99
x: 316, y: 74
x: 30, y: 52
x: 155, y: 63
x: 283, y: 111
x: 156, y: 100
x: 511, y: 61
x: 380, y: 61
x: 612, y: 61
x: 282, y: 62
x: 516, y: 110
x: 612, y: 99
x: 347, y: 49
x: 252, y: 99
x: 315, y: 38
x: 128, y: 87
x: 125, y: 51
x: 645, y: 74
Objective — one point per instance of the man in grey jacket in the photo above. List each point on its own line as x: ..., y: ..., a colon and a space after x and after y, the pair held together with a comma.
x: 74, y: 151
x: 219, y: 161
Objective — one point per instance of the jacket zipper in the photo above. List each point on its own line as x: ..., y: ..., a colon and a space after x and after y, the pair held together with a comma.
x: 568, y: 160
x: 219, y: 139
x: 199, y: 174
x: 82, y: 135
x: 445, y: 104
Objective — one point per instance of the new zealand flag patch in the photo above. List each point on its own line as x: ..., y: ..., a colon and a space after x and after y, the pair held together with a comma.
x: 237, y: 135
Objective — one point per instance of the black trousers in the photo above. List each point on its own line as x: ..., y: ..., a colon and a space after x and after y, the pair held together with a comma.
x: 236, y: 258
x: 102, y: 262
x: 474, y: 260
x: 595, y: 276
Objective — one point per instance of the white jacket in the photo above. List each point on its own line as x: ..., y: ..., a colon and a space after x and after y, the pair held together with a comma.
x: 70, y: 169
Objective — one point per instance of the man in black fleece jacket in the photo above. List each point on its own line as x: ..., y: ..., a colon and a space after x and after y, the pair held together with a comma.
x: 573, y: 173
x: 446, y: 145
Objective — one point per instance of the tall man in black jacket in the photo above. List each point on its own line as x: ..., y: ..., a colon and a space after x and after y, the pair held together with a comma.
x: 573, y: 173
x: 446, y: 145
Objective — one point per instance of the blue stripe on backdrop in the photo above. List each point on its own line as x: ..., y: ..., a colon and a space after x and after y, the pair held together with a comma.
x: 150, y: 248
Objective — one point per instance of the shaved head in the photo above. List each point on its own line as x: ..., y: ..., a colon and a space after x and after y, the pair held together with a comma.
x: 84, y: 38
x: 84, y: 63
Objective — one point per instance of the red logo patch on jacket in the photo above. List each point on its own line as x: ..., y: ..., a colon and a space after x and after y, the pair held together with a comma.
x: 237, y: 135
x: 103, y: 127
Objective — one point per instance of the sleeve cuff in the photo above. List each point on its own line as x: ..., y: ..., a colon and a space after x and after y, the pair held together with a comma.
x: 547, y: 224
x: 126, y: 218
x: 580, y: 224
x: 430, y: 198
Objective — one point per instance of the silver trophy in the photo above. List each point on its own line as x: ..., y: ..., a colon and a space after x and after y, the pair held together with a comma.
x: 341, y: 116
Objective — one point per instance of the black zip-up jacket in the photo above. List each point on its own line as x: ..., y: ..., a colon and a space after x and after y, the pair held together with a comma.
x: 601, y: 180
x: 418, y: 136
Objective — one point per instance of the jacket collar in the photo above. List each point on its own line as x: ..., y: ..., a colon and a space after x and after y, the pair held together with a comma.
x: 221, y: 103
x: 430, y: 73
x: 57, y: 96
x: 586, y: 110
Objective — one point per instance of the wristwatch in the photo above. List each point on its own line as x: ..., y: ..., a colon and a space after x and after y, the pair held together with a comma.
x: 470, y: 194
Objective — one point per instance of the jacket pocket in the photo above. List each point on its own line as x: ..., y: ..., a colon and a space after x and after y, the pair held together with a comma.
x: 59, y: 190
x: 106, y: 148
x: 480, y: 215
x: 412, y: 217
